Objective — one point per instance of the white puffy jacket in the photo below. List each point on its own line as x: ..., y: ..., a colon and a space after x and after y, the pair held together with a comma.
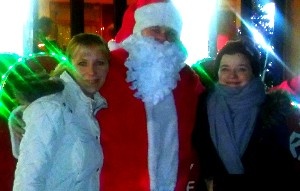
x: 60, y: 150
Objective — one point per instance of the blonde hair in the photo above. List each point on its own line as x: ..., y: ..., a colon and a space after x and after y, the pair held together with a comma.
x: 79, y: 40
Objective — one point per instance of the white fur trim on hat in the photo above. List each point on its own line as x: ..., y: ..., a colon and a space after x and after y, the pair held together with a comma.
x: 157, y: 14
x: 113, y: 45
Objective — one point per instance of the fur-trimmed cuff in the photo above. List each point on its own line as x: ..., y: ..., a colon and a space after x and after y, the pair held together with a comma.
x: 14, y: 123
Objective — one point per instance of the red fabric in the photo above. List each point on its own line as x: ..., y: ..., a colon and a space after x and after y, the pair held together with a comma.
x: 186, y: 98
x: 124, y: 130
x: 141, y: 3
x: 222, y: 39
x: 283, y: 86
x: 128, y: 23
x: 292, y: 86
x: 128, y: 20
x: 295, y: 84
x: 7, y: 161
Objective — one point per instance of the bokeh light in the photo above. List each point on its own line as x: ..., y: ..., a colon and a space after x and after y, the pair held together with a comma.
x: 196, y: 17
x: 16, y: 21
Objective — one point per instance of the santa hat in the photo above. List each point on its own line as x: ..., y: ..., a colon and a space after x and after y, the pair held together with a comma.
x: 126, y: 29
x: 147, y: 13
x: 128, y: 23
x: 156, y: 13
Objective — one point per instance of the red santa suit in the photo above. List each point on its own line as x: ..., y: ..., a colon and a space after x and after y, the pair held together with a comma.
x: 125, y: 128
x: 7, y: 161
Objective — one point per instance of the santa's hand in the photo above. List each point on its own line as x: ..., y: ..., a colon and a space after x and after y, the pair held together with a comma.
x: 294, y: 144
x: 16, y: 129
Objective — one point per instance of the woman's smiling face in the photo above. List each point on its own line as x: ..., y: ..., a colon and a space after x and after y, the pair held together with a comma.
x: 235, y: 70
x: 91, y: 66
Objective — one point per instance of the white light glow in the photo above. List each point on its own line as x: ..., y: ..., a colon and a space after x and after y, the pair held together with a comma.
x: 269, y: 9
x: 196, y: 15
x: 16, y: 26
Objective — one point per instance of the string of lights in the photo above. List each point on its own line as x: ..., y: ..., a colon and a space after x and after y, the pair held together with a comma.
x: 262, y: 19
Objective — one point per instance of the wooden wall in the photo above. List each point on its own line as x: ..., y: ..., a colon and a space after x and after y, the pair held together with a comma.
x: 292, y: 42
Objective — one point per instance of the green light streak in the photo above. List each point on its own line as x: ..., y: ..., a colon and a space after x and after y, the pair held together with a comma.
x: 33, y: 66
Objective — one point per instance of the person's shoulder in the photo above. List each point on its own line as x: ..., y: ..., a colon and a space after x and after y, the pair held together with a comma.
x: 44, y: 114
x: 189, y: 78
x: 49, y: 99
x: 188, y: 72
x: 277, y: 107
x: 45, y: 105
x: 278, y: 98
x: 117, y: 59
x: 119, y: 53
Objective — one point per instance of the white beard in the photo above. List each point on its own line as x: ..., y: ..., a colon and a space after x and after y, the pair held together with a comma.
x: 153, y: 67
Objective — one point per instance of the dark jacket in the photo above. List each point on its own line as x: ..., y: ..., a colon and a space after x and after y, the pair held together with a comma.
x: 267, y: 153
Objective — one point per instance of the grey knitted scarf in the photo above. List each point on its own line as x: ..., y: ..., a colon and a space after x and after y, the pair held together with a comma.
x: 232, y: 113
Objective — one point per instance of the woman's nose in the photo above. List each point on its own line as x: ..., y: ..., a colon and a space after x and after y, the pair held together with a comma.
x: 233, y: 73
x: 91, y: 70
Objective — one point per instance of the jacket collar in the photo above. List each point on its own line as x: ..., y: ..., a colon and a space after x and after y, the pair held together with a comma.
x: 73, y: 92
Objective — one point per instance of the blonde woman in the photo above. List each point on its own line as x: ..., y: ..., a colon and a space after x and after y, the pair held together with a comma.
x: 60, y: 149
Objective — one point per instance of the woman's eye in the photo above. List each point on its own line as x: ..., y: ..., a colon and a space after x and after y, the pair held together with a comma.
x: 82, y: 63
x: 100, y: 63
x: 224, y: 69
x: 243, y: 69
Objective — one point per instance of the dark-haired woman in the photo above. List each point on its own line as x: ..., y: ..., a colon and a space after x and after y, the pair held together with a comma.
x: 241, y: 133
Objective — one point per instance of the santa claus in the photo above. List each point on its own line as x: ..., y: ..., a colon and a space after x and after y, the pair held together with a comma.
x: 152, y: 96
